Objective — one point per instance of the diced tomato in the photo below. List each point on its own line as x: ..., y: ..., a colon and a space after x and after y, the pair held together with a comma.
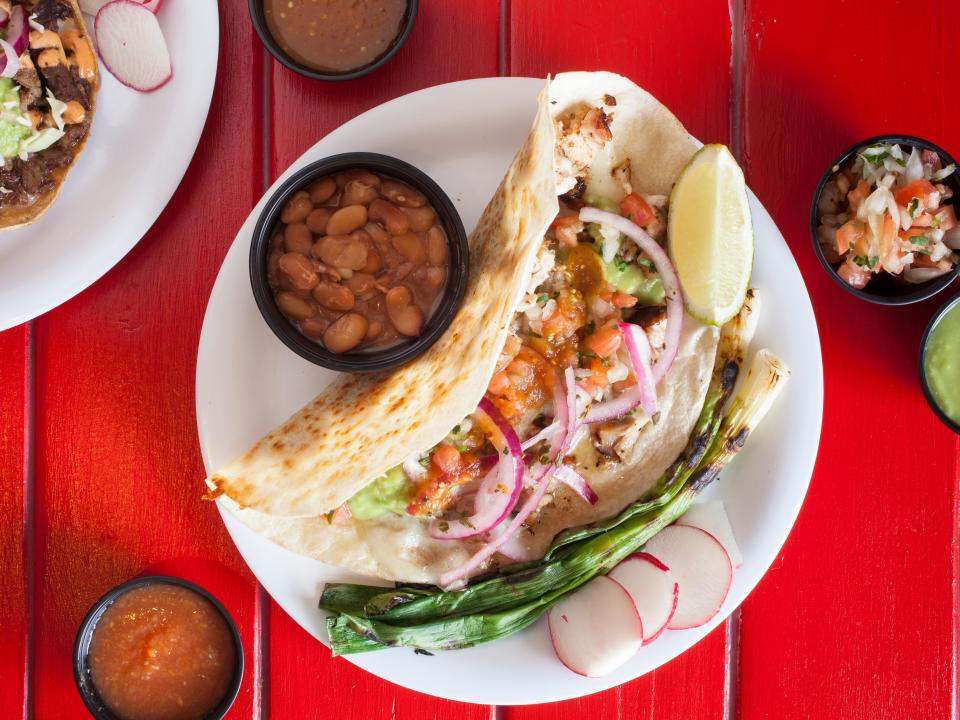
x: 849, y: 234
x: 433, y: 493
x: 598, y: 378
x: 922, y: 190
x: 637, y: 209
x: 565, y: 229
x: 446, y: 457
x: 856, y: 196
x: 605, y: 341
x: 340, y: 515
x: 498, y: 383
x: 946, y: 217
x: 622, y: 300
x: 888, y: 244
x: 526, y: 384
x: 855, y: 276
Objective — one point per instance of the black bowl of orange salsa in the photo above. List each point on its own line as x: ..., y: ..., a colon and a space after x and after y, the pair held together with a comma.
x: 334, y: 40
x: 158, y: 646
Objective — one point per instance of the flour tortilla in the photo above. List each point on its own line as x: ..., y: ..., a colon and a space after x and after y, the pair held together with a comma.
x: 399, y: 548
x: 15, y: 217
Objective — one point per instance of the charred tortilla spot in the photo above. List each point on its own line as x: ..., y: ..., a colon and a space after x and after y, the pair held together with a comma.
x: 609, y: 100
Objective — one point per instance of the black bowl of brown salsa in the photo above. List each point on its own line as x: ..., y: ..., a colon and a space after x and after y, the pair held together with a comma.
x: 333, y: 39
x: 359, y: 262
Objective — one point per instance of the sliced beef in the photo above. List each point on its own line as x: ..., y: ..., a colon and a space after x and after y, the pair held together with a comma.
x: 28, y: 79
x: 72, y: 135
x: 66, y: 85
x: 49, y: 11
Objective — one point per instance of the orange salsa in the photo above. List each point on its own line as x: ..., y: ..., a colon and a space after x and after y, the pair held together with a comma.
x: 162, y: 652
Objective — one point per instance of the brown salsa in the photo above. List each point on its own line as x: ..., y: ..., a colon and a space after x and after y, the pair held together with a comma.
x: 161, y: 652
x: 335, y: 35
x: 358, y: 261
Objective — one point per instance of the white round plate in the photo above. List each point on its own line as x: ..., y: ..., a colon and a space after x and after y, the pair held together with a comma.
x: 138, y: 151
x: 464, y: 135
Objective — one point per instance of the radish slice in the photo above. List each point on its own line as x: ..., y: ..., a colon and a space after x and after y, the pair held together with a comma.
x: 500, y: 490
x: 575, y: 481
x: 595, y: 629
x: 711, y: 517
x: 671, y: 283
x: 131, y: 45
x: 700, y: 566
x: 653, y: 589
x: 4, y: 18
x: 152, y: 5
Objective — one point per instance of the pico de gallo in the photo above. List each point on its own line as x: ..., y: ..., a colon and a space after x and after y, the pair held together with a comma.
x: 596, y: 331
x: 888, y: 210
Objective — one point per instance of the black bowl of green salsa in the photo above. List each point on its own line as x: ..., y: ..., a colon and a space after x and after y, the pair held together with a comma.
x: 940, y: 364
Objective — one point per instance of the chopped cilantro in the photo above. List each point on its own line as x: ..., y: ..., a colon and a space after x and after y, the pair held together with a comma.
x: 919, y: 239
x: 542, y: 299
x: 591, y: 327
x: 456, y: 429
x: 859, y: 260
x: 621, y: 265
x: 913, y: 207
x: 872, y: 261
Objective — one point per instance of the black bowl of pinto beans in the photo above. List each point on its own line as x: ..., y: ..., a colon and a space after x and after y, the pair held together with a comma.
x: 359, y: 262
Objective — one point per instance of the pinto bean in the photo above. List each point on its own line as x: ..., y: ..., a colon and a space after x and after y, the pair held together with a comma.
x: 406, y: 317
x: 421, y: 218
x: 361, y: 283
x: 341, y: 252
x: 345, y: 333
x: 317, y: 220
x: 435, y: 277
x: 333, y: 296
x: 436, y: 246
x: 357, y: 174
x: 379, y: 235
x: 294, y: 306
x: 322, y: 190
x: 297, y: 238
x: 314, y: 327
x: 296, y: 208
x: 347, y: 219
x: 410, y: 246
x: 357, y: 192
x: 389, y: 216
x: 373, y: 331
x: 402, y: 194
x: 299, y: 270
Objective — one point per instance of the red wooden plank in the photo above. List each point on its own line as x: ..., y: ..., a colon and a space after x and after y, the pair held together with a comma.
x: 857, y: 619
x: 640, y: 41
x: 303, y: 675
x: 118, y: 472
x: 13, y: 599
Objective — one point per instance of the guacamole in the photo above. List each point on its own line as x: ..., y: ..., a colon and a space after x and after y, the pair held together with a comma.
x: 630, y: 279
x: 941, y: 363
x: 12, y: 127
x: 388, y: 493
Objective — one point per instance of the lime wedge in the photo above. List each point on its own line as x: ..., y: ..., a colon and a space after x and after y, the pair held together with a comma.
x: 711, y: 235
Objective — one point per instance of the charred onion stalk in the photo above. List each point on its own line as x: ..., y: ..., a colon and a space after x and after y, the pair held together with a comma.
x: 428, y: 619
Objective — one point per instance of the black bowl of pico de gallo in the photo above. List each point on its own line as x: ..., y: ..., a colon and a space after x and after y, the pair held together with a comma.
x: 884, y: 220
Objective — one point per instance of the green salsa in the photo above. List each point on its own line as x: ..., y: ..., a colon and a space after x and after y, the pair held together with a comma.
x: 941, y: 363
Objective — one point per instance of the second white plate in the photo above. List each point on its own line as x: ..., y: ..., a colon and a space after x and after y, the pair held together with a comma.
x: 464, y: 135
x: 139, y: 148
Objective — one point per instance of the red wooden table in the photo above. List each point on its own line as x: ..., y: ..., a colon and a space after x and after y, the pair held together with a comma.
x: 100, y: 469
